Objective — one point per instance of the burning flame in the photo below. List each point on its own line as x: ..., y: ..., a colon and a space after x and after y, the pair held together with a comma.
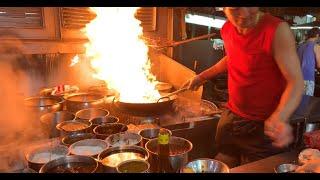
x: 119, y: 56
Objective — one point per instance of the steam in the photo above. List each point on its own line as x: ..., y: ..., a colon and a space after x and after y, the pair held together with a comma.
x: 17, y: 128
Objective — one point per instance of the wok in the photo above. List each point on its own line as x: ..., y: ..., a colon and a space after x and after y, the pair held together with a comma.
x: 162, y: 105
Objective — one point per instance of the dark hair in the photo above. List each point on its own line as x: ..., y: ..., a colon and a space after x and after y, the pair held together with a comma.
x: 313, y: 32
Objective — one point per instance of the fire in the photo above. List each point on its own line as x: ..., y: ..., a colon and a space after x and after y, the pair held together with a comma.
x: 74, y: 60
x: 119, y: 56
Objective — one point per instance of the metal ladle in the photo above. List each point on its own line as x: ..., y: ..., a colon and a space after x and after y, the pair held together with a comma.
x: 173, y: 93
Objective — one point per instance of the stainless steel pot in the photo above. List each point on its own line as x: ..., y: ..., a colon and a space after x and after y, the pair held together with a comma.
x: 103, y: 120
x: 103, y: 131
x: 124, y: 139
x: 89, y: 113
x: 49, y: 121
x: 78, y: 101
x: 71, y: 164
x: 205, y: 165
x: 88, y: 147
x: 83, y: 127
x: 179, y: 149
x: 39, y: 105
x: 37, y: 156
x: 72, y: 138
x: 136, y: 152
x: 133, y: 166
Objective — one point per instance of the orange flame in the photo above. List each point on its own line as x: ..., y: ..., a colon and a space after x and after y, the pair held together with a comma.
x: 119, y: 56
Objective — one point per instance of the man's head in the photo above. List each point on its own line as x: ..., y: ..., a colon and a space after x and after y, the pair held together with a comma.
x: 313, y: 33
x: 242, y: 17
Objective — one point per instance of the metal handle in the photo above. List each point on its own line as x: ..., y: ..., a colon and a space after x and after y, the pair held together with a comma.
x: 173, y: 93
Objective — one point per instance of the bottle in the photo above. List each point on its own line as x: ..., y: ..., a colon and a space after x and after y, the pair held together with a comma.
x: 164, y: 165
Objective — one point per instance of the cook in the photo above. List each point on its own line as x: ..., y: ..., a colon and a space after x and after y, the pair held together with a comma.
x: 265, y: 86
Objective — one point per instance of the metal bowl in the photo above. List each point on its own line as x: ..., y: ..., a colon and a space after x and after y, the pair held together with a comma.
x: 88, y: 147
x: 112, y: 157
x: 83, y: 127
x: 49, y: 121
x: 39, y: 105
x: 150, y: 133
x: 103, y: 120
x: 205, y: 165
x: 72, y: 138
x: 71, y: 164
x: 103, y: 131
x: 78, y: 101
x: 179, y: 149
x: 37, y: 156
x: 124, y: 139
x: 286, y: 168
x: 133, y: 166
x: 89, y: 113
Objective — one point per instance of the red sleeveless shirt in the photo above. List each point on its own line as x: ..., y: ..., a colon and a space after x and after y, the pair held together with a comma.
x: 255, y: 82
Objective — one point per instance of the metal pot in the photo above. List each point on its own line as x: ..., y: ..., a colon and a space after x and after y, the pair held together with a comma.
x: 139, y: 166
x: 150, y: 133
x: 39, y: 105
x: 124, y: 139
x: 103, y: 131
x: 72, y: 138
x: 88, y: 147
x: 179, y: 149
x: 84, y: 127
x: 205, y: 165
x: 112, y: 157
x: 103, y: 120
x: 49, y: 121
x: 78, y: 101
x: 89, y: 113
x: 71, y: 164
x: 39, y: 155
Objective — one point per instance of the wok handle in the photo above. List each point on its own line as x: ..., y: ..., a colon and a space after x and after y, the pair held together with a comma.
x: 173, y: 93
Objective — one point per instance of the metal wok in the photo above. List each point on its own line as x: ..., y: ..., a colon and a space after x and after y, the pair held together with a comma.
x: 161, y: 106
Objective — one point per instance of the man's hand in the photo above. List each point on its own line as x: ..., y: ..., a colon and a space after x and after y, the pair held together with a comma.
x: 313, y: 166
x: 194, y: 83
x: 279, y: 131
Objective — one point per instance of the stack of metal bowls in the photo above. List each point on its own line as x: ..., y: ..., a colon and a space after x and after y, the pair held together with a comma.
x: 49, y: 121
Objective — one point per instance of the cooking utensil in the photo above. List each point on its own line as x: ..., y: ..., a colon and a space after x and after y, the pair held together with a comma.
x: 150, y: 133
x: 37, y: 156
x: 124, y: 139
x: 205, y: 165
x: 74, y: 126
x: 179, y: 149
x: 88, y: 147
x: 172, y: 94
x: 39, y: 105
x: 133, y: 166
x: 78, y: 101
x: 49, y: 122
x: 89, y: 113
x: 72, y: 138
x: 116, y: 155
x: 103, y: 131
x: 286, y: 168
x: 71, y: 164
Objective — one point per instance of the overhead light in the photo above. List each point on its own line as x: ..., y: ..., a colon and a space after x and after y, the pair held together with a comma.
x: 205, y: 21
x: 302, y: 27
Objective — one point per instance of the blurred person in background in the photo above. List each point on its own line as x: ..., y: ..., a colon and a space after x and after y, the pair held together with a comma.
x: 309, y: 54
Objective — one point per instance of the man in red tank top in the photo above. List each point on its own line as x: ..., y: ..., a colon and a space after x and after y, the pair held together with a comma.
x: 265, y: 85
